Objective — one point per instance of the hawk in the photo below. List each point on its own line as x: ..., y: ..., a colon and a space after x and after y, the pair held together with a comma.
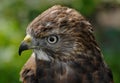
x: 64, y: 50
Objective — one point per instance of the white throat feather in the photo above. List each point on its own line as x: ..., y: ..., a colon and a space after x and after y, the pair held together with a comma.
x: 41, y: 55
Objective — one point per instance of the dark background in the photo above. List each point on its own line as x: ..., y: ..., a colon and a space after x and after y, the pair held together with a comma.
x: 15, y: 15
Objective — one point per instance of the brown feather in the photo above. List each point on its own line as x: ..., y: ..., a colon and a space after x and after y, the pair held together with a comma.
x: 28, y: 72
x: 76, y: 58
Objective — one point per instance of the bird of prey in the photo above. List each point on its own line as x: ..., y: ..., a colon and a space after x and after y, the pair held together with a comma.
x: 64, y: 50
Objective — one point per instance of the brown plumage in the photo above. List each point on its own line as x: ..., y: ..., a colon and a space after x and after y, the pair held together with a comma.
x: 64, y: 50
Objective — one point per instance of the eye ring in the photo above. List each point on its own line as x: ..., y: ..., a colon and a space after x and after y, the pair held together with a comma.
x: 52, y: 39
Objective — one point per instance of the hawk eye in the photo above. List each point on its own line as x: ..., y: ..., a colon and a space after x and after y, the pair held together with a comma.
x: 52, y: 39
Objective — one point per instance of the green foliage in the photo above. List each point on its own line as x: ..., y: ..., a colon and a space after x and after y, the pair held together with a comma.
x: 15, y: 15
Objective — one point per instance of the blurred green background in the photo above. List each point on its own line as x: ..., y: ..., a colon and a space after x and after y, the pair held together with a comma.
x: 15, y: 15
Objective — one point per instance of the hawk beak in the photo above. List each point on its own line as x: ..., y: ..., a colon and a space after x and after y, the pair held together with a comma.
x: 26, y: 44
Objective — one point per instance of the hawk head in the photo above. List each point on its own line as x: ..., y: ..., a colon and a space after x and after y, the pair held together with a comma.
x: 65, y: 49
x: 59, y: 33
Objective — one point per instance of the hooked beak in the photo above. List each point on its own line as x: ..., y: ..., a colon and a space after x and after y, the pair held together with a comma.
x: 26, y: 44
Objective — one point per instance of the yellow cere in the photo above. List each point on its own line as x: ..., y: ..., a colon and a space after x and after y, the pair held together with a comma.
x: 27, y: 38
